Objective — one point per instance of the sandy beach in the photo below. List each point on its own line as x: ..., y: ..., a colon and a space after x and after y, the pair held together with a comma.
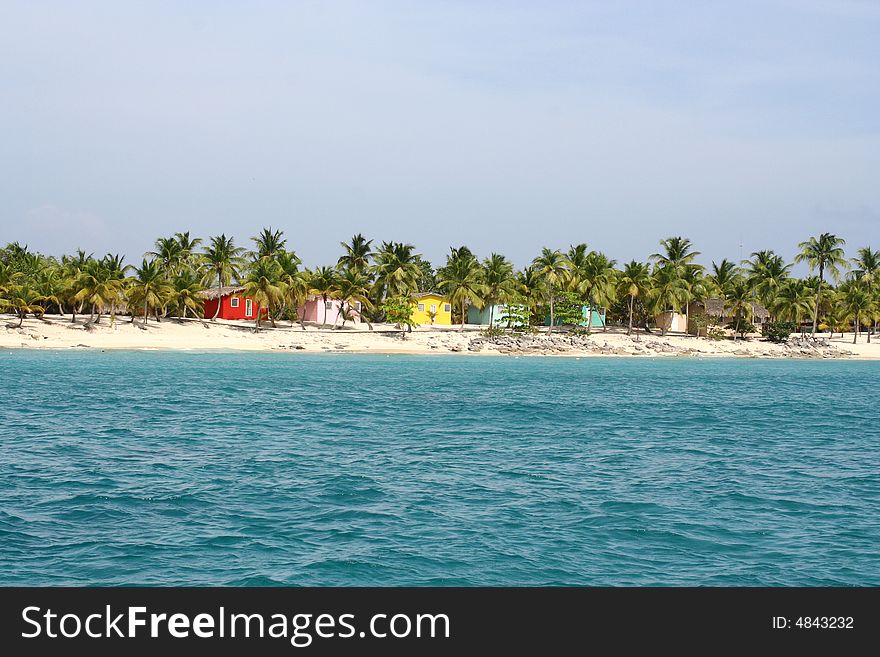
x: 56, y: 332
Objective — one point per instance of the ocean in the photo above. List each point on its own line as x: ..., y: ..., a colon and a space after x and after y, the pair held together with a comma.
x: 290, y: 469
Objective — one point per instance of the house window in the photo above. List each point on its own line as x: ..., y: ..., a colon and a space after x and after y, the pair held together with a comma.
x: 248, y: 307
x: 433, y: 307
x: 233, y: 302
x: 357, y: 306
x: 447, y: 308
x: 421, y: 307
x: 328, y: 305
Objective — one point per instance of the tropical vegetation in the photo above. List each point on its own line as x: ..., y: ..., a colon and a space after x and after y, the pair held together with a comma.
x: 375, y: 282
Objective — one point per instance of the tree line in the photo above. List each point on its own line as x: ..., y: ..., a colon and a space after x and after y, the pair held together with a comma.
x: 839, y: 293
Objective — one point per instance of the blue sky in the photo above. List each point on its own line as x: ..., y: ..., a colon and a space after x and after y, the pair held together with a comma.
x: 505, y: 126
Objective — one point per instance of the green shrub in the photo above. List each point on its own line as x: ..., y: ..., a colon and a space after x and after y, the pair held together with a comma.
x: 698, y: 323
x: 745, y: 326
x: 778, y: 331
x: 716, y: 333
x: 399, y: 310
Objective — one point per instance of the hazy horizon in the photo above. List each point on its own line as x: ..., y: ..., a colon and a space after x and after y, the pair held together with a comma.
x: 502, y: 126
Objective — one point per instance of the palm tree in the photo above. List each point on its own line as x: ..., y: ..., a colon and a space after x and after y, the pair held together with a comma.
x: 552, y: 268
x: 857, y: 301
x: 677, y: 259
x: 738, y: 299
x: 633, y: 282
x: 867, y: 270
x: 23, y: 299
x: 49, y: 285
x: 677, y: 252
x: 263, y: 285
x: 766, y: 272
x: 836, y: 317
x: 8, y: 277
x: 169, y: 253
x: 822, y: 253
x: 116, y: 273
x: 576, y: 257
x: 322, y: 281
x: 352, y: 286
x: 222, y: 262
x: 187, y: 249
x: 722, y: 278
x: 100, y: 285
x: 294, y: 283
x: 185, y: 294
x: 594, y: 279
x: 792, y: 302
x: 269, y: 243
x: 149, y: 286
x: 72, y: 268
x: 357, y: 253
x: 461, y: 280
x: 668, y: 290
x: 397, y: 270
x: 531, y: 287
x: 498, y: 283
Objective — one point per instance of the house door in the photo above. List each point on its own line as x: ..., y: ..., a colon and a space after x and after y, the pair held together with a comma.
x: 248, y: 308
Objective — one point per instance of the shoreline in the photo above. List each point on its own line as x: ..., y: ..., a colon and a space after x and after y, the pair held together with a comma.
x: 58, y: 333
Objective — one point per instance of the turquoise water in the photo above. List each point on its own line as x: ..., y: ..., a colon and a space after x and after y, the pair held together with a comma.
x: 169, y: 468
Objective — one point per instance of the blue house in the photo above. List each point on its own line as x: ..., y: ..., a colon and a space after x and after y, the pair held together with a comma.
x: 499, y: 312
x: 595, y: 318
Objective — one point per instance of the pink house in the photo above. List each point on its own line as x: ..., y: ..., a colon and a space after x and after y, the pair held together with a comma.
x: 326, y: 312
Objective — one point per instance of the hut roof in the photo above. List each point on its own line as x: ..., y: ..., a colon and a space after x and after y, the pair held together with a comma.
x: 716, y: 308
x: 421, y: 295
x: 225, y: 291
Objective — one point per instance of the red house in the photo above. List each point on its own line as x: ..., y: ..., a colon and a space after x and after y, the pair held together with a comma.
x: 233, y: 304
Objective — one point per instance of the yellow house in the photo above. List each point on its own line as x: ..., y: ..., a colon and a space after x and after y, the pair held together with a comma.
x: 430, y: 304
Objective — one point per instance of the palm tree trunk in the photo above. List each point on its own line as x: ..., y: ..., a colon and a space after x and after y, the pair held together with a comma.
x: 630, y: 329
x: 20, y: 318
x: 145, y: 312
x: 552, y: 317
x: 736, y: 331
x: 338, y: 313
x: 818, y: 296
x: 462, y: 316
x: 219, y: 298
x: 324, y: 299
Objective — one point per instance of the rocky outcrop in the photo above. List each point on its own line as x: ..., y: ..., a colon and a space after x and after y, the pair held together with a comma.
x: 566, y: 344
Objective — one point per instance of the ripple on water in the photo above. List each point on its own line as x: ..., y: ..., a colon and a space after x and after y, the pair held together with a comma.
x: 280, y: 469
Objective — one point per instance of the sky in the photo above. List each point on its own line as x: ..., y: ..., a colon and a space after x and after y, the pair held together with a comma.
x: 504, y: 126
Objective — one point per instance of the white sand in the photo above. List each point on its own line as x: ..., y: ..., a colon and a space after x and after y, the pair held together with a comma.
x: 59, y: 333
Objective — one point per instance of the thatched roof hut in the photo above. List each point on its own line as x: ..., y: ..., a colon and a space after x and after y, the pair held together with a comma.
x: 215, y: 292
x: 715, y: 307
